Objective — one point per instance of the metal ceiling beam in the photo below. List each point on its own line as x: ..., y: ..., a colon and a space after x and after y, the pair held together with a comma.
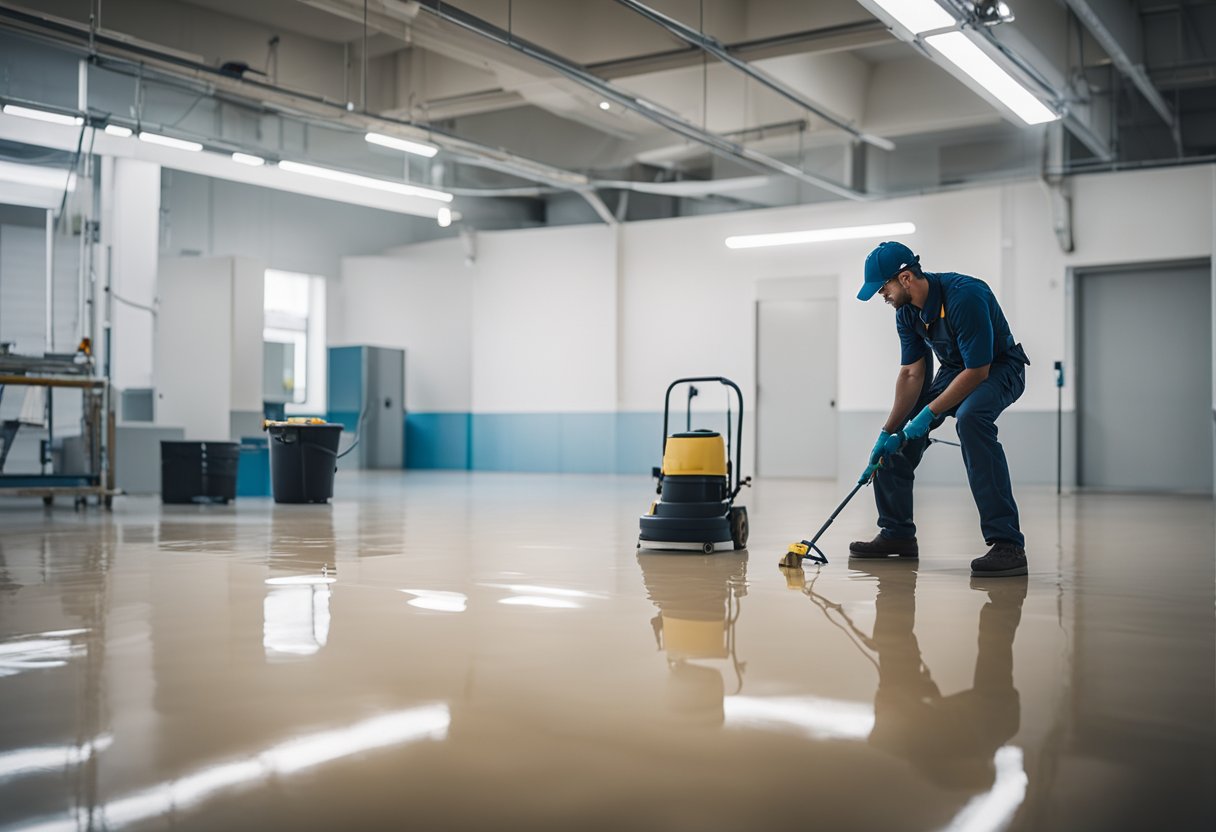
x: 1106, y: 31
x: 714, y: 47
x: 263, y: 95
x: 810, y: 42
x: 829, y: 39
x: 652, y: 112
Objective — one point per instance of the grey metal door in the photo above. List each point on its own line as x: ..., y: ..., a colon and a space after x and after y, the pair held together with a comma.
x: 796, y: 388
x: 386, y: 410
x: 1144, y: 380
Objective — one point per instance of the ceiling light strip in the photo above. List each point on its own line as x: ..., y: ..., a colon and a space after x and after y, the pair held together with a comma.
x: 364, y: 181
x: 42, y: 115
x: 917, y: 15
x: 821, y: 235
x: 959, y: 50
x: 169, y: 141
x: 404, y: 145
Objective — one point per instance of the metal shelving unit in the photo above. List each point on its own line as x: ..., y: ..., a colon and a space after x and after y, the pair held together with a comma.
x: 97, y: 421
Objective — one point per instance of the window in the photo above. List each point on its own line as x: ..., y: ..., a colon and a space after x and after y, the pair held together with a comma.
x: 293, y: 337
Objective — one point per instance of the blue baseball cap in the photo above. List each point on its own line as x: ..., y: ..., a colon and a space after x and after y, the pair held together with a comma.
x: 883, y: 263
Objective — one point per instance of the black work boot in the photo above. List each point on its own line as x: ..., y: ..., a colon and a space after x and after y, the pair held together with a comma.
x: 1004, y: 560
x: 883, y: 547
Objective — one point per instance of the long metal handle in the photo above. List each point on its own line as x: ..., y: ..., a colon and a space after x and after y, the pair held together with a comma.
x: 738, y: 393
x: 839, y: 509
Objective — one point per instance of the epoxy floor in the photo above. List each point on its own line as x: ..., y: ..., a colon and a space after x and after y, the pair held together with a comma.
x: 449, y: 651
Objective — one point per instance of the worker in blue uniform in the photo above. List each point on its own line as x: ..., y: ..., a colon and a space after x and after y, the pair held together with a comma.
x: 983, y: 370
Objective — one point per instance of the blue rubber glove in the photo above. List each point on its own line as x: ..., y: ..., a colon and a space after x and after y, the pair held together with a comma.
x: 880, y: 447
x: 876, y: 455
x: 917, y: 427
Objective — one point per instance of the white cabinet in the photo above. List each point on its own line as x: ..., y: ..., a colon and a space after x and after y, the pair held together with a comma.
x: 208, y: 359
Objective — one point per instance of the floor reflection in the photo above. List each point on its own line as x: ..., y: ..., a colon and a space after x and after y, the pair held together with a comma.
x: 299, y: 586
x: 698, y: 598
x: 958, y: 741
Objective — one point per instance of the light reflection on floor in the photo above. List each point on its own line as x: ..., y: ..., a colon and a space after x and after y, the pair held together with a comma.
x: 470, y: 651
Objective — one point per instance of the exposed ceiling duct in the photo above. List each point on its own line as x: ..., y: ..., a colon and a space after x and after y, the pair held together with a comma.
x: 551, y: 107
x: 713, y: 47
x: 1112, y: 24
x: 648, y: 110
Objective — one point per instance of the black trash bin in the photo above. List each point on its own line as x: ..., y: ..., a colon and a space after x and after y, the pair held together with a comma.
x: 198, y: 472
x: 303, y: 459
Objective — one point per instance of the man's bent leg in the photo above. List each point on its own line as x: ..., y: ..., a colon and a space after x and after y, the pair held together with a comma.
x: 893, y: 490
x: 987, y: 468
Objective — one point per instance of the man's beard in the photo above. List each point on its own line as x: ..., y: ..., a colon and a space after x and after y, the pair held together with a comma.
x: 899, y: 298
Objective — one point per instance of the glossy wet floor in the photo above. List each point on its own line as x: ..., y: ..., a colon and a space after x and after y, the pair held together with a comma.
x: 489, y: 651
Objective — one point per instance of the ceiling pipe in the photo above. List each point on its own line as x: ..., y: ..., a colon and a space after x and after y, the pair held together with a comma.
x: 1107, y: 39
x: 714, y: 47
x: 108, y: 47
x: 651, y: 112
x: 856, y: 35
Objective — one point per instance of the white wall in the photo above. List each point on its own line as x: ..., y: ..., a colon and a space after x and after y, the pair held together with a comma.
x: 194, y: 340
x: 130, y: 224
x: 208, y: 344
x: 422, y: 304
x: 248, y: 313
x: 680, y: 277
x: 214, y: 217
x: 544, y: 321
x: 529, y: 326
x: 545, y: 303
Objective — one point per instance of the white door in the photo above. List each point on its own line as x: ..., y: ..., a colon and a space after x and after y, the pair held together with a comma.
x: 796, y: 388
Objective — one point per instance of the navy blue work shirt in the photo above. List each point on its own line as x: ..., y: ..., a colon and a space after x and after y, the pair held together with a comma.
x: 961, y: 322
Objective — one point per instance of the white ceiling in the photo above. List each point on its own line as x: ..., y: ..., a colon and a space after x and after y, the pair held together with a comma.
x: 676, y: 113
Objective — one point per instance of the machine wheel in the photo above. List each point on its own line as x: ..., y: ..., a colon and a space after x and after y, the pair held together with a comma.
x: 738, y: 526
x: 707, y: 548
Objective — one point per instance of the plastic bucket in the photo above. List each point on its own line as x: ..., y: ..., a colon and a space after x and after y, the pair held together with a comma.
x: 198, y: 472
x: 303, y: 459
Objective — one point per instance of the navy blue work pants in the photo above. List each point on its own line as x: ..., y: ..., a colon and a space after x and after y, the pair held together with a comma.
x: 983, y: 456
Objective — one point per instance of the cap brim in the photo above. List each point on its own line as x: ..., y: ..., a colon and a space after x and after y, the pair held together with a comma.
x: 868, y: 290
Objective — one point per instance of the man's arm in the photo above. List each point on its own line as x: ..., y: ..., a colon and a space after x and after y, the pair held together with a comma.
x: 959, y: 389
x: 907, y: 390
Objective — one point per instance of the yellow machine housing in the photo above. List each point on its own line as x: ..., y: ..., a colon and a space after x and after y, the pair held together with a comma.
x: 697, y: 485
x: 699, y: 453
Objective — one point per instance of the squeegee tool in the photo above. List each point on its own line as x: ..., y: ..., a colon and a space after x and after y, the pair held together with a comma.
x: 804, y: 548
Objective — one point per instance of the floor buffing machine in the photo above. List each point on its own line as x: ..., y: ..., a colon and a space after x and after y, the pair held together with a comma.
x: 698, y: 483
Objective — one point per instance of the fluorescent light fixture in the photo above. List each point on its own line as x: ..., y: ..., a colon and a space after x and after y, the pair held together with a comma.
x: 444, y: 217
x: 417, y: 148
x: 918, y: 15
x: 248, y: 159
x: 37, y: 176
x: 821, y: 235
x: 959, y: 50
x: 42, y: 115
x: 118, y: 130
x: 169, y: 141
x: 604, y: 105
x: 364, y: 181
